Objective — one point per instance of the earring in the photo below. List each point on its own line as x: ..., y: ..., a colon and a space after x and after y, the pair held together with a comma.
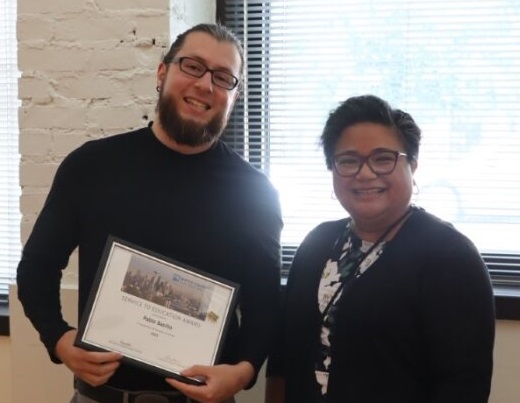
x: 415, y: 188
x: 158, y: 89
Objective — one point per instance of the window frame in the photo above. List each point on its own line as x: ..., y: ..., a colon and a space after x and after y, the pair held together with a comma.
x: 12, y: 195
x: 504, y: 269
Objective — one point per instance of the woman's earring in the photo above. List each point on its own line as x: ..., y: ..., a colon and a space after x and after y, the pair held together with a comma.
x: 415, y: 188
x: 158, y: 89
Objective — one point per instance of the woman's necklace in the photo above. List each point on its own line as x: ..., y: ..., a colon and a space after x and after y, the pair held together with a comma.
x: 355, y: 269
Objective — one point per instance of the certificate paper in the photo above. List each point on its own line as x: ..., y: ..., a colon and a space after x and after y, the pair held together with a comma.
x: 156, y: 312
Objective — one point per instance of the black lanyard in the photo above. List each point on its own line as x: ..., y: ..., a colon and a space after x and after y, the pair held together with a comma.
x: 354, y: 270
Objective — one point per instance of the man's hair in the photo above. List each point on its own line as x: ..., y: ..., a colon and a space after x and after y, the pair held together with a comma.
x: 216, y: 31
x: 369, y: 109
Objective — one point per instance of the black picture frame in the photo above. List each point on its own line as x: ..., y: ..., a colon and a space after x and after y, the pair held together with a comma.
x: 158, y: 313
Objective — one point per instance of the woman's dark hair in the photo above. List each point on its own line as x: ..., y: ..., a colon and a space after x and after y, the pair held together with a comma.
x: 216, y: 31
x: 369, y: 109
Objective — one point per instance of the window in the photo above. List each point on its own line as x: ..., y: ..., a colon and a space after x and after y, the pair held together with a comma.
x: 452, y: 64
x: 9, y: 157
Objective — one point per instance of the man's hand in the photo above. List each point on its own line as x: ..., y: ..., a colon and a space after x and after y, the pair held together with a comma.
x: 222, y: 381
x: 95, y: 368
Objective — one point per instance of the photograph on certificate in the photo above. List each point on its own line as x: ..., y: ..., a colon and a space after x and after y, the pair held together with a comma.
x: 156, y: 312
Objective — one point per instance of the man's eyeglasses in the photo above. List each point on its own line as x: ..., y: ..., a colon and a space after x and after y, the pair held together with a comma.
x: 197, y: 69
x: 380, y: 162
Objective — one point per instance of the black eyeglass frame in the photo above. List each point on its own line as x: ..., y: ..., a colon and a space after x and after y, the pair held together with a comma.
x: 180, y: 60
x: 366, y: 160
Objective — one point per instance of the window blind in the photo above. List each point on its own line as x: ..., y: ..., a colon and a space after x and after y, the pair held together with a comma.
x: 453, y: 65
x: 9, y: 157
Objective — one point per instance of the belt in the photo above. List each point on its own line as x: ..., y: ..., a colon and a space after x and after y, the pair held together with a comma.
x: 108, y: 394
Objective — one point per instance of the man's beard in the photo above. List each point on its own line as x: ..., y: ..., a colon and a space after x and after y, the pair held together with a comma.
x: 184, y: 131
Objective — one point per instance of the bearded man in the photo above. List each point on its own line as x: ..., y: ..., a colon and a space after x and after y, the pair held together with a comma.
x: 176, y: 189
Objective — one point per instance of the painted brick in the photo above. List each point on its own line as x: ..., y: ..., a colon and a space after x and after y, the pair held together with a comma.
x: 130, y: 4
x: 149, y: 25
x: 35, y: 142
x: 112, y: 117
x: 52, y: 6
x: 37, y: 174
x: 64, y: 143
x: 52, y: 117
x: 53, y: 59
x: 122, y: 58
x: 34, y: 27
x: 29, y: 87
x: 90, y: 85
x: 32, y: 202
x: 95, y: 27
x: 143, y: 84
x: 26, y: 226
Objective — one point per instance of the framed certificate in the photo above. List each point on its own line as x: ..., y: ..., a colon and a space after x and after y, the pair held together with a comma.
x: 158, y: 313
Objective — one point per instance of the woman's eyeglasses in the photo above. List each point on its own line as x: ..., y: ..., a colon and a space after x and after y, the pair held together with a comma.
x: 380, y: 162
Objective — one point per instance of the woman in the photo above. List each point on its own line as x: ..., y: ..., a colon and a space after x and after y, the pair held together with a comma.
x: 391, y: 304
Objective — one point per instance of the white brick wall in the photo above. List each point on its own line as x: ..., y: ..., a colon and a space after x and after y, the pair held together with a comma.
x: 87, y: 70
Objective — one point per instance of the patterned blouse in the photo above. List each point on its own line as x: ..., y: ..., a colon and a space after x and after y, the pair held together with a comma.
x: 353, y: 259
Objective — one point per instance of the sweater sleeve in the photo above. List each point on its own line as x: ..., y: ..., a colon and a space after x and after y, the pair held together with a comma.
x: 458, y: 322
x: 259, y: 307
x: 46, y: 254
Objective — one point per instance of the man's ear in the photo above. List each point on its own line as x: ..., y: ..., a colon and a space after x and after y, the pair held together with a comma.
x: 161, y: 73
